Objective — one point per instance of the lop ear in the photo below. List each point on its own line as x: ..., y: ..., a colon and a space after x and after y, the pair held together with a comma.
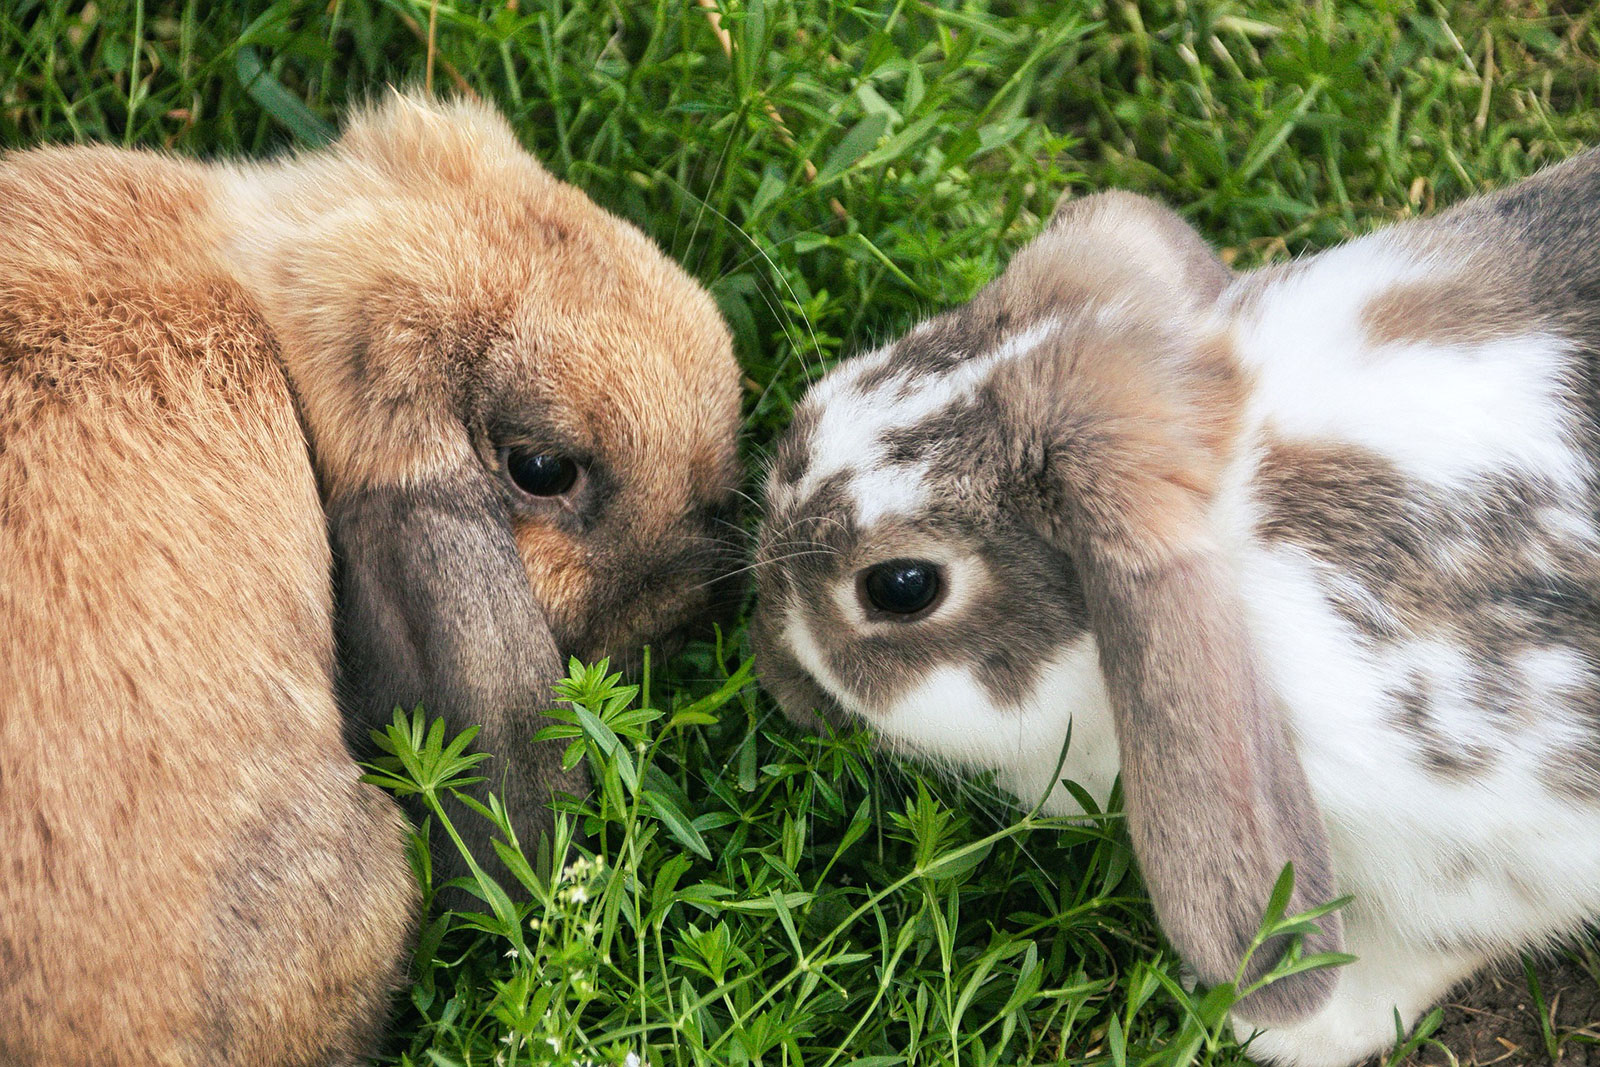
x: 1132, y: 232
x: 1131, y: 418
x: 1217, y: 800
x: 435, y: 608
x: 415, y: 139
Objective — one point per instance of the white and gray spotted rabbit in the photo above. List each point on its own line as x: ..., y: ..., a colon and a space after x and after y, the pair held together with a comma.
x: 1311, y: 555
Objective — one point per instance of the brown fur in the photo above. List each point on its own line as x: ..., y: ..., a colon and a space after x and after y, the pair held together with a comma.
x: 166, y: 658
x: 479, y: 273
x: 1472, y: 308
x: 1479, y: 570
x: 192, y: 873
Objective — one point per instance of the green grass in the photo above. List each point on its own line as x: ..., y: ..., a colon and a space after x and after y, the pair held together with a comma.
x: 840, y: 170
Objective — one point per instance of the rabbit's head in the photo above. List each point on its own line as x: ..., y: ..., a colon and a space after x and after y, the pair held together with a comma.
x: 1001, y: 524
x: 522, y: 414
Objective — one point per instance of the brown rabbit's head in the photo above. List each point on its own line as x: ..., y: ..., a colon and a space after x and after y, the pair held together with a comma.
x: 523, y: 416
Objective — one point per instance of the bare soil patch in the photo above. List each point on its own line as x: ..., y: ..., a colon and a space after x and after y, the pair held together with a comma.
x: 1495, y: 1018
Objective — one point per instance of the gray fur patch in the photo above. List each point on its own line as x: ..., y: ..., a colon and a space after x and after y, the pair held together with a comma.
x: 793, y: 456
x: 1443, y: 756
x: 1480, y: 572
x: 939, y: 346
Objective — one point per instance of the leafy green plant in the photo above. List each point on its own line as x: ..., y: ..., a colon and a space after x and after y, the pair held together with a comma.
x: 681, y: 920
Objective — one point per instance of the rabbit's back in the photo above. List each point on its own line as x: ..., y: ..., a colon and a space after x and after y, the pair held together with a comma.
x: 179, y: 810
x: 1419, y: 491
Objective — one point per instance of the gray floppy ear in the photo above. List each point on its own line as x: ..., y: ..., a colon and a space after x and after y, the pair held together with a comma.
x: 1216, y: 797
x: 1136, y: 428
x: 435, y: 608
x: 1129, y: 230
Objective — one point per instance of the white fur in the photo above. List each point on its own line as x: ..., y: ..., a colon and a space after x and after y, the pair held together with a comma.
x: 1360, y: 1017
x: 1446, y: 874
x: 797, y: 636
x: 951, y: 718
x: 882, y: 492
x: 1071, y: 693
x: 1571, y: 525
x: 1442, y: 414
x: 1432, y: 859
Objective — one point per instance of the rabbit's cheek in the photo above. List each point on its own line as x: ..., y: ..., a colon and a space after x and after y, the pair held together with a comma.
x: 797, y: 692
x: 953, y: 716
x: 560, y: 576
x: 606, y: 600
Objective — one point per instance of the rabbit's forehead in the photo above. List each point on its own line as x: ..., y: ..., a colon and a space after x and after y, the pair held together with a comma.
x: 869, y: 438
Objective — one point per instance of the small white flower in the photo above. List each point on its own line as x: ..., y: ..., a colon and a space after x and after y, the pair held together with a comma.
x: 580, y: 895
x: 554, y: 1043
x: 632, y: 1060
x: 511, y: 953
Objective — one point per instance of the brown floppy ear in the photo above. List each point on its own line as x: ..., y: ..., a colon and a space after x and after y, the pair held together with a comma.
x: 435, y: 608
x: 1217, y: 800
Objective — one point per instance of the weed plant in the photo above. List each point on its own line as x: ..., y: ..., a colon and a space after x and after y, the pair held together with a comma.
x: 782, y: 911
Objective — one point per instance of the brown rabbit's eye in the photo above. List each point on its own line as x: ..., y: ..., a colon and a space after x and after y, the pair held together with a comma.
x: 901, y: 586
x: 541, y: 473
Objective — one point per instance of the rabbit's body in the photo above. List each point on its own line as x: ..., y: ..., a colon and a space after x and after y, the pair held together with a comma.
x: 174, y: 793
x: 1386, y: 455
x: 1417, y: 523
x: 284, y: 446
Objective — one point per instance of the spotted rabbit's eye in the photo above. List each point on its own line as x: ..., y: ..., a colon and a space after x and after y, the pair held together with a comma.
x: 541, y: 473
x: 901, y: 586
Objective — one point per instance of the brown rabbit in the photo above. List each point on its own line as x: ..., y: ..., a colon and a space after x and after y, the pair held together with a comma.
x: 401, y: 421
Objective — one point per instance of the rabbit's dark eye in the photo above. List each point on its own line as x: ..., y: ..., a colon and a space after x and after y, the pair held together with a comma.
x: 541, y: 473
x: 901, y: 586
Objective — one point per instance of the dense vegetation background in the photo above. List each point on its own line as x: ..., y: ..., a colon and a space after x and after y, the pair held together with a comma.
x: 832, y: 170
